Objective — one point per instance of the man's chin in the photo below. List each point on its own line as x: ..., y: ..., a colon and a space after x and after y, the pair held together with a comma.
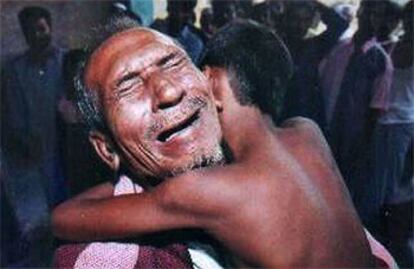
x: 206, y: 158
x: 213, y: 158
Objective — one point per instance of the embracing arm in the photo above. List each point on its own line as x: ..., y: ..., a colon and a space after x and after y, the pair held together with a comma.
x: 182, y: 202
x: 336, y: 25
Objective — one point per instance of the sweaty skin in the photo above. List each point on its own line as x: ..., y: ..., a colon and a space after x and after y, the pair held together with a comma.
x: 282, y: 202
x: 147, y: 86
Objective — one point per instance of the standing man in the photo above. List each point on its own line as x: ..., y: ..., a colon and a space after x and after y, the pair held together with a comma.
x: 32, y: 86
x: 180, y: 25
x: 355, y: 79
x: 393, y: 150
x: 304, y: 97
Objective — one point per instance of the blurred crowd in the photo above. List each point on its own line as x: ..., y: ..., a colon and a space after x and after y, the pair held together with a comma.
x: 358, y: 87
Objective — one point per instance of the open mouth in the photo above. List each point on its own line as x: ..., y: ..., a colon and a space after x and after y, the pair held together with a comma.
x: 167, y: 135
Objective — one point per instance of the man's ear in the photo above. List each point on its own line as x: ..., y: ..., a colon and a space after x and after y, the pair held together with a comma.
x: 105, y: 150
x: 213, y: 76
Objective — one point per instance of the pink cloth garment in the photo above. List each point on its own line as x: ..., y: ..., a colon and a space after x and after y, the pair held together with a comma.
x: 382, y: 84
x: 384, y: 258
x: 131, y: 256
x: 332, y: 71
x: 113, y: 255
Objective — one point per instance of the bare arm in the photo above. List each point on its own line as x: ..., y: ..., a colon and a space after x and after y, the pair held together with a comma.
x: 336, y: 25
x: 182, y: 202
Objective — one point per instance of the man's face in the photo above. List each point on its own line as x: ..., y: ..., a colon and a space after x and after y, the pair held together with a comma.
x: 275, y: 11
x: 38, y: 35
x: 206, y: 21
x: 158, y: 106
x: 364, y: 18
x: 229, y: 12
x: 382, y: 23
x: 299, y: 20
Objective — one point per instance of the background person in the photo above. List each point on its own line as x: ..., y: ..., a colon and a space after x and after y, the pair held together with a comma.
x: 180, y: 25
x: 393, y: 150
x: 31, y: 152
x: 355, y: 79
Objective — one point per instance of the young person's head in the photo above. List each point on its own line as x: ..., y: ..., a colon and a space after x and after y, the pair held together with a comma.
x: 148, y: 106
x: 224, y: 12
x: 378, y: 18
x: 206, y: 21
x: 298, y: 18
x: 257, y: 63
x: 269, y: 13
x: 180, y: 13
x: 385, y: 16
x: 36, y: 24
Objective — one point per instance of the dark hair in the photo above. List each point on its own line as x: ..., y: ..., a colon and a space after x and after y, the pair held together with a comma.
x: 393, y: 10
x: 309, y: 6
x: 87, y: 99
x: 30, y: 14
x: 222, y: 11
x: 258, y: 10
x: 409, y: 7
x: 175, y: 6
x: 407, y: 14
x: 258, y: 60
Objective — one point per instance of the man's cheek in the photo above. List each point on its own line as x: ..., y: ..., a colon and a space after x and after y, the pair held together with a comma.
x: 193, y: 78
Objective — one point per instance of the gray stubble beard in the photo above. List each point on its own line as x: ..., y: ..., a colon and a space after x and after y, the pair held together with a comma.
x: 211, y: 158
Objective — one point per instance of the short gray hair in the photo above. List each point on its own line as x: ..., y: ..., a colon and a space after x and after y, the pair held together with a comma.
x: 87, y: 100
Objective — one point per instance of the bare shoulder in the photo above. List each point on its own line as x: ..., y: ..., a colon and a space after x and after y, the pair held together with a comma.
x: 205, y: 192
x: 304, y: 128
x: 304, y: 133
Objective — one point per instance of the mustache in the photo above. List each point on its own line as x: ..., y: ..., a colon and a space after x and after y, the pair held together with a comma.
x: 190, y: 105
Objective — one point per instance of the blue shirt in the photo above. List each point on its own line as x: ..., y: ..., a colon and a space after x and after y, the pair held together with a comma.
x: 30, y: 95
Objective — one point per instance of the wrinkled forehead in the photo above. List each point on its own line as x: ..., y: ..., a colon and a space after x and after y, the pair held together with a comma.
x: 133, y: 42
x: 138, y: 34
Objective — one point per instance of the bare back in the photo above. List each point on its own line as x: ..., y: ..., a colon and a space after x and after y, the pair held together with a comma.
x: 283, y: 205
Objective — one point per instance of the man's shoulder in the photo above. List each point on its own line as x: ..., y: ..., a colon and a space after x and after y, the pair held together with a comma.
x: 60, y: 51
x: 302, y: 124
x: 13, y: 66
x: 18, y: 60
x: 160, y: 25
x: 304, y: 133
x: 373, y: 50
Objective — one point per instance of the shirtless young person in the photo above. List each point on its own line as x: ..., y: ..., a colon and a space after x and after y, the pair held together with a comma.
x: 281, y: 203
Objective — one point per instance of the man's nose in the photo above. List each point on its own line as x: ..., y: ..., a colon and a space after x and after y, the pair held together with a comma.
x: 167, y: 93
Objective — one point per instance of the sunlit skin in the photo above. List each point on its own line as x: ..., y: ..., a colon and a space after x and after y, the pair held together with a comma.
x: 148, y: 86
x: 281, y: 203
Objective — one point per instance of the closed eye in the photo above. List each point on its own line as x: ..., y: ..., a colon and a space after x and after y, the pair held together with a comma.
x: 171, y: 60
x: 126, y: 78
x: 177, y: 62
x: 128, y: 86
x: 123, y: 92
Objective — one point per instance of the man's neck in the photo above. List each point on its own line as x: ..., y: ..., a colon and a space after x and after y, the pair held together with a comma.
x: 249, y: 133
x: 361, y: 37
x: 40, y: 54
